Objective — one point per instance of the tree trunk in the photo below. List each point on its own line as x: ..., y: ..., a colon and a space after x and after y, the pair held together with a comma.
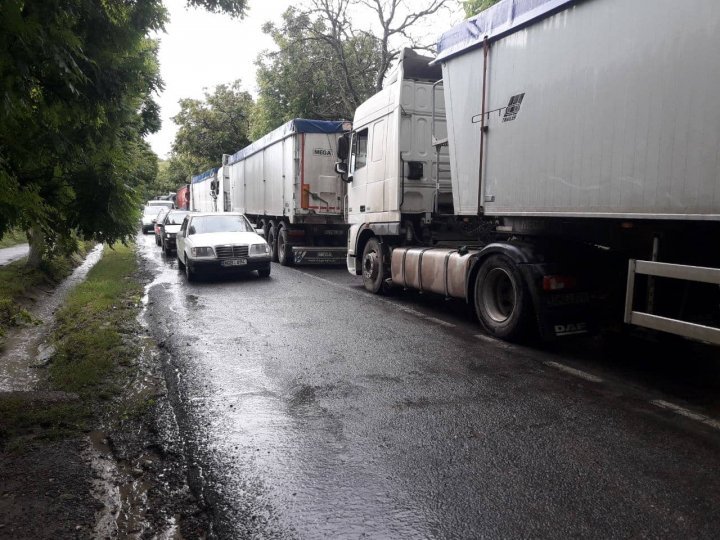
x: 36, y: 237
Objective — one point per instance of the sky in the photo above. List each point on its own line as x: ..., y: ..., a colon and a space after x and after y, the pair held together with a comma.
x: 200, y: 50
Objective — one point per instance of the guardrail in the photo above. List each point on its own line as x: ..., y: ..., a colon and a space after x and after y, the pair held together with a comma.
x: 664, y: 324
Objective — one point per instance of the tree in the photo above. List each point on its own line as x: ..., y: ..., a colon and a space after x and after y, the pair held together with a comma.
x: 77, y: 79
x: 219, y: 124
x: 473, y: 7
x: 77, y: 84
x: 324, y: 67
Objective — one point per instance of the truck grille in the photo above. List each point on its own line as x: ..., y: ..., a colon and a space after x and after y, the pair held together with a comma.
x: 231, y: 252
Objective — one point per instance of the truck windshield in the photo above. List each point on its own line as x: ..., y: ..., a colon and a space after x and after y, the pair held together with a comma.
x: 212, y: 224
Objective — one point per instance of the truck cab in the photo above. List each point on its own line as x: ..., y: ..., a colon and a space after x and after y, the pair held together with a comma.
x: 396, y: 179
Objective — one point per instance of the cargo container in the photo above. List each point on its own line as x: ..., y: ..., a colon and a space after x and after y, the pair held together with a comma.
x: 205, y: 192
x: 287, y: 184
x: 581, y: 138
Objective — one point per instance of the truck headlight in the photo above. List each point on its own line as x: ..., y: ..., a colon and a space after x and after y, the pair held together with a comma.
x: 259, y: 249
x: 202, y: 252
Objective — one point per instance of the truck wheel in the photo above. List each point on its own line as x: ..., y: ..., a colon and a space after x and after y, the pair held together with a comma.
x: 373, y: 266
x: 284, y: 250
x: 272, y: 240
x: 262, y: 224
x: 502, y: 301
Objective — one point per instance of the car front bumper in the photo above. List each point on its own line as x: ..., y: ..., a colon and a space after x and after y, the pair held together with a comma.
x: 215, y: 266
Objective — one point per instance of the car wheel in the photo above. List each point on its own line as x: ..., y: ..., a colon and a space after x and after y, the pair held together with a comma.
x: 373, y: 266
x: 272, y: 241
x: 264, y: 272
x: 181, y: 264
x: 502, y: 301
x: 284, y: 250
x: 157, y: 241
x: 189, y: 272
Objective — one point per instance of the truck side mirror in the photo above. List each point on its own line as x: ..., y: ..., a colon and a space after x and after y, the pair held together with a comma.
x: 343, y: 147
x: 342, y: 169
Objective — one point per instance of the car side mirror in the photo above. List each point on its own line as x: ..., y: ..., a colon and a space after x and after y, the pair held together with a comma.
x: 261, y: 232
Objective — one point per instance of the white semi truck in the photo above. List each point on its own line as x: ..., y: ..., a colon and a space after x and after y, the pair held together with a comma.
x: 286, y: 183
x: 582, y: 142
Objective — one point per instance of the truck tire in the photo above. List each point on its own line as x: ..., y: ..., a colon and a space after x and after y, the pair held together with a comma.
x: 272, y: 237
x: 373, y: 266
x: 284, y: 250
x: 502, y: 300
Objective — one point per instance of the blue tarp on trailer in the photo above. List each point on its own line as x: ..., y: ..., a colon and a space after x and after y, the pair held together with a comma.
x: 503, y: 18
x: 204, y: 176
x: 298, y: 125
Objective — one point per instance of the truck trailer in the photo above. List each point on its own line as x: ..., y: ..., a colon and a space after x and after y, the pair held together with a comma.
x: 286, y: 183
x: 582, y: 141
x: 206, y: 194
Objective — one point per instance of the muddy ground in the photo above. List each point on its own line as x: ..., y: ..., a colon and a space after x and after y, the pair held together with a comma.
x: 119, y: 477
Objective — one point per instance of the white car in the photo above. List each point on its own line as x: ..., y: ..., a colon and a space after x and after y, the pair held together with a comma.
x: 149, y: 216
x: 217, y: 242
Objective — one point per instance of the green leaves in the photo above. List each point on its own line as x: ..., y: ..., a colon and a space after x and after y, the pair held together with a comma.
x: 473, y: 7
x: 219, y: 124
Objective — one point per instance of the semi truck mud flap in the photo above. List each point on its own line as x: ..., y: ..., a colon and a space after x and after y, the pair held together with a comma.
x: 559, y: 314
x: 319, y: 255
x: 565, y: 315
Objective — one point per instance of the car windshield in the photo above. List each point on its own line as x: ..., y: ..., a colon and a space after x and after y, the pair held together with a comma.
x: 152, y: 210
x: 212, y: 224
x: 175, y: 218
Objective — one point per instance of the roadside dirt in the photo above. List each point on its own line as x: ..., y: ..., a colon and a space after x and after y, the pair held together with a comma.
x: 122, y: 476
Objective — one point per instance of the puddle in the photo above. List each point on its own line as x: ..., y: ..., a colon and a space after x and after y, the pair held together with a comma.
x: 25, y: 349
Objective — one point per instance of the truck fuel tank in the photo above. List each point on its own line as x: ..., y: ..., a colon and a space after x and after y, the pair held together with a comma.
x: 439, y: 270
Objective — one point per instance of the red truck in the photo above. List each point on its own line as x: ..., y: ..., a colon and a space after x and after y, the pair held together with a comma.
x: 182, y: 200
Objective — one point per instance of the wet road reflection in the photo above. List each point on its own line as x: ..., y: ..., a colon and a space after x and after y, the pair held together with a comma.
x: 313, y: 410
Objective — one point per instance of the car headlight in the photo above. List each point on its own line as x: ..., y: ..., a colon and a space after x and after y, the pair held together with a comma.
x: 167, y: 235
x: 260, y: 249
x: 202, y: 252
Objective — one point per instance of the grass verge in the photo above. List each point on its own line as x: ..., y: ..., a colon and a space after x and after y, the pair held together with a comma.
x: 12, y: 238
x: 94, y: 327
x: 94, y: 341
x: 17, y: 283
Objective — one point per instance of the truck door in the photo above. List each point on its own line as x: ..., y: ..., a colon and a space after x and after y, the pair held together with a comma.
x: 359, y: 171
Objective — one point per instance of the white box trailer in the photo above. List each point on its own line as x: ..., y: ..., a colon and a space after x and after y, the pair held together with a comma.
x: 583, y: 141
x: 205, y: 192
x: 286, y: 183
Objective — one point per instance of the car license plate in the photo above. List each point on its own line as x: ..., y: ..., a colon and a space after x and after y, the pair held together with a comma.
x: 235, y: 262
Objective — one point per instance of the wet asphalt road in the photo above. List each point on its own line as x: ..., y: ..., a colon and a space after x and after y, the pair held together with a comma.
x: 308, y: 408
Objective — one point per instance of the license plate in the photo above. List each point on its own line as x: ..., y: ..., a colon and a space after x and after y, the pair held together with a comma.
x: 235, y: 262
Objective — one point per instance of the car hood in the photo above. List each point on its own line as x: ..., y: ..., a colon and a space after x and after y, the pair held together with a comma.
x: 225, y: 238
x: 174, y: 229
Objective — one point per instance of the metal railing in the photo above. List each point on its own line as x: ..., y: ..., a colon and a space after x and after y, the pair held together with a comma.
x: 664, y: 324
